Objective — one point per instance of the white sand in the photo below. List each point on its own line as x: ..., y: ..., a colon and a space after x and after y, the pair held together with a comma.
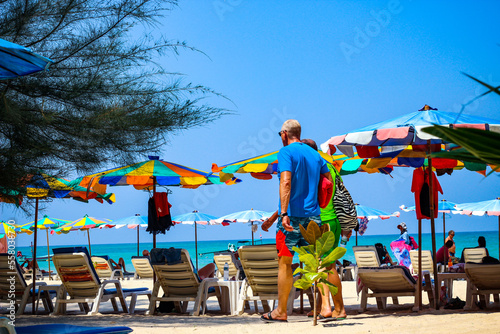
x: 395, y: 319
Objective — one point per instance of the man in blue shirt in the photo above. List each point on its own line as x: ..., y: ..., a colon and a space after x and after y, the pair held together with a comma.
x: 299, y: 170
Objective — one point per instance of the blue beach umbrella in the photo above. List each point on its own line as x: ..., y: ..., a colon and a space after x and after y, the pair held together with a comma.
x: 366, y: 213
x: 195, y: 218
x: 247, y: 216
x: 17, y: 60
x: 488, y: 208
x: 133, y: 222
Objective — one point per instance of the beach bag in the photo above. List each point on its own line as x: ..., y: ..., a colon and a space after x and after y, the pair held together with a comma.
x: 325, y: 192
x: 344, y: 206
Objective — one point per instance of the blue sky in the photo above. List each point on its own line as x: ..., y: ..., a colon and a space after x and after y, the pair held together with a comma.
x: 334, y: 66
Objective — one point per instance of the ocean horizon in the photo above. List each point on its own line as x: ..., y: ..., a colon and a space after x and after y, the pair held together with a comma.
x: 207, y: 248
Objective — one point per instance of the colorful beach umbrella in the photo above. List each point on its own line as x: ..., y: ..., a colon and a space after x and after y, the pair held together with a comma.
x: 150, y: 173
x: 488, y: 208
x: 83, y: 224
x: 366, y: 214
x: 45, y: 223
x: 444, y: 207
x: 248, y: 216
x: 195, y: 218
x: 384, y: 141
x: 17, y: 60
x: 136, y: 222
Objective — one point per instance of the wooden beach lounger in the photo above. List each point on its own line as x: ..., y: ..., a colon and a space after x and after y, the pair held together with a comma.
x: 483, y: 280
x: 260, y: 264
x: 392, y: 282
x: 22, y: 291
x: 83, y: 285
x: 142, y: 266
x: 179, y: 282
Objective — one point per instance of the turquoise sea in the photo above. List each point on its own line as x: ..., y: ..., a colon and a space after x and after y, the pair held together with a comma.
x: 127, y: 250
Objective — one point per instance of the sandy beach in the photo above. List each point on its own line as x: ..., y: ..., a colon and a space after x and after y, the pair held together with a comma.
x: 395, y: 319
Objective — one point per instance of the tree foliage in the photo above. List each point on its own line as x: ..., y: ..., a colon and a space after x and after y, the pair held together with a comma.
x: 105, y: 99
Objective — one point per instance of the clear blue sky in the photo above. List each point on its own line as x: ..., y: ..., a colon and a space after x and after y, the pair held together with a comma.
x: 334, y: 66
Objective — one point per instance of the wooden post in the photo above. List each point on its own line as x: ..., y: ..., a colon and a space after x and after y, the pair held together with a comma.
x: 48, y: 250
x: 419, y: 281
x: 444, y: 230
x: 252, y: 233
x: 88, y: 237
x: 433, y: 228
x: 138, y: 226
x: 33, y: 265
x: 196, y: 243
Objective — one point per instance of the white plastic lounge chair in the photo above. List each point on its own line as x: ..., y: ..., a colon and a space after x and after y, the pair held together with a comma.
x: 260, y: 264
x: 221, y: 259
x: 143, y: 268
x: 83, y: 286
x: 483, y: 281
x: 104, y: 269
x: 60, y: 329
x: 366, y: 256
x: 427, y: 262
x: 178, y: 280
x: 9, y: 268
x: 474, y: 254
x: 392, y: 282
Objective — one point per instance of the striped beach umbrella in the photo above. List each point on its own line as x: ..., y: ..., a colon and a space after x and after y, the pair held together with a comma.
x: 248, y: 216
x: 488, y: 208
x: 17, y: 60
x: 366, y: 214
x: 195, y: 218
x: 136, y: 222
x: 83, y: 224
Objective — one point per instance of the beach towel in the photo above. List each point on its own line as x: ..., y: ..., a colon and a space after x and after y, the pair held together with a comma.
x: 363, y: 225
x: 168, y: 256
x: 401, y: 251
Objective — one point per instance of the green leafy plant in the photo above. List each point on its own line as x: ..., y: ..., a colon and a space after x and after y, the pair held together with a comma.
x: 315, y: 259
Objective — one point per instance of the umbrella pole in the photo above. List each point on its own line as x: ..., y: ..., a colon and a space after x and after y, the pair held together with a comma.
x: 88, y: 237
x: 252, y: 232
x: 499, y: 236
x: 433, y: 228
x: 356, y: 238
x: 154, y: 193
x: 48, y: 251
x: 138, y: 239
x: 196, y: 243
x: 444, y: 230
x: 33, y: 267
x: 419, y: 286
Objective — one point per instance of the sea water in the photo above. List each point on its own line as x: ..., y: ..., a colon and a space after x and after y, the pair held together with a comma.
x: 206, y: 249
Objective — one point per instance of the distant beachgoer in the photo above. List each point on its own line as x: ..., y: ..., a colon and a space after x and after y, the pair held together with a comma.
x: 404, y: 233
x: 452, y: 250
x: 119, y: 265
x: 145, y: 252
x: 442, y: 254
x: 383, y: 255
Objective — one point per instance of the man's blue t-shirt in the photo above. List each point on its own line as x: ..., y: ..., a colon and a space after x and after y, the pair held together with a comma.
x: 306, y: 165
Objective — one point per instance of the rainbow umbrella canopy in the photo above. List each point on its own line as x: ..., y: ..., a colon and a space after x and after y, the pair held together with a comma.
x: 488, y: 208
x: 84, y: 224
x: 17, y: 60
x: 195, y: 218
x: 384, y: 141
x: 151, y: 173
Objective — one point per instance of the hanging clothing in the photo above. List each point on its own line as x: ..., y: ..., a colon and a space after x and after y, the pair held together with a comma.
x: 159, y: 218
x: 420, y: 186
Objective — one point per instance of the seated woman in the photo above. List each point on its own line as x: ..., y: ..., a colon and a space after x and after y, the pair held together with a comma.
x: 383, y: 255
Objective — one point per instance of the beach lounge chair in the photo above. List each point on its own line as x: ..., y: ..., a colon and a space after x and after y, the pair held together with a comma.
x: 179, y: 281
x: 221, y: 259
x: 9, y: 268
x: 260, y: 264
x: 104, y: 269
x: 474, y: 255
x: 427, y: 262
x: 366, y: 256
x: 143, y: 268
x: 83, y: 286
x: 392, y: 282
x: 483, y: 281
x: 7, y: 328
